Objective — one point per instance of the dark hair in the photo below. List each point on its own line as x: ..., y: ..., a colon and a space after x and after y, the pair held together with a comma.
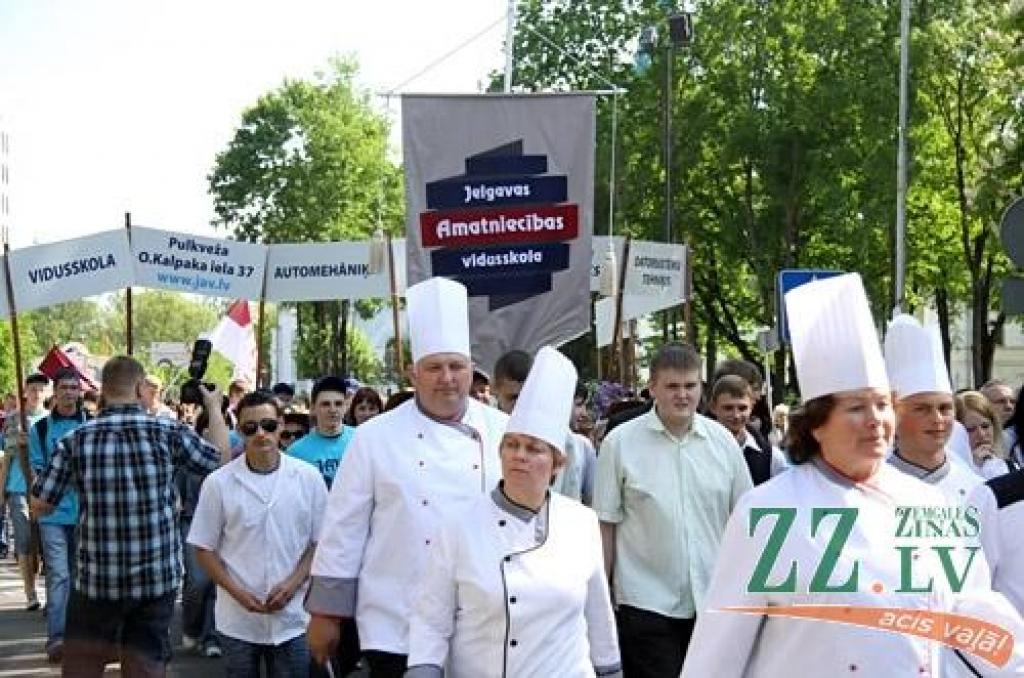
x: 675, y: 356
x: 300, y: 418
x: 257, y: 399
x: 37, y: 378
x: 397, y: 398
x: 740, y: 368
x: 733, y: 386
x: 581, y: 392
x: 67, y: 374
x: 328, y: 383
x: 513, y: 366
x: 282, y: 388
x: 363, y: 395
x: 1017, y: 423
x: 480, y: 375
x: 803, y: 421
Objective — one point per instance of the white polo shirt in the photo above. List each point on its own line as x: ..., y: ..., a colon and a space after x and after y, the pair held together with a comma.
x: 259, y: 525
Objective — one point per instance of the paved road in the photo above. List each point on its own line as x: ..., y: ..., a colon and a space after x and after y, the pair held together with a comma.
x: 23, y: 635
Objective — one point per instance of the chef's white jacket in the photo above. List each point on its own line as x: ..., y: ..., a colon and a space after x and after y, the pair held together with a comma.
x: 954, y: 479
x: 512, y: 593
x: 1000, y: 504
x: 729, y: 644
x: 260, y: 541
x: 401, y: 475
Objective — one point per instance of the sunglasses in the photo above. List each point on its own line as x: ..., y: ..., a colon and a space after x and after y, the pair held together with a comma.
x: 249, y: 428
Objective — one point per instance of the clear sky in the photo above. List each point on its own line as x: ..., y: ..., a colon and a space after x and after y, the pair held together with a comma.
x: 121, y: 105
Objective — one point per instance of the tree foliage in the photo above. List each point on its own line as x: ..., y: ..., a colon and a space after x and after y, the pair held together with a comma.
x: 784, y: 143
x: 309, y: 163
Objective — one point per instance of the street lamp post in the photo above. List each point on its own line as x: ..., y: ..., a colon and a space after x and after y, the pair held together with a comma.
x: 680, y: 34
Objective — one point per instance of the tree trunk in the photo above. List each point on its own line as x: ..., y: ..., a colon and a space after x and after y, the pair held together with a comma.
x: 779, y: 375
x: 710, y: 358
x: 343, y: 338
x: 942, y: 308
x: 335, y: 348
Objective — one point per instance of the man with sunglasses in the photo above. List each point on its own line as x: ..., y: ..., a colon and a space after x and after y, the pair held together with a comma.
x: 325, y: 445
x: 255, y: 529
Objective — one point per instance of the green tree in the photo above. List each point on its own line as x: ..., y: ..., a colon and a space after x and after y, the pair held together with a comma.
x: 161, y: 315
x: 82, y: 320
x: 967, y: 135
x: 29, y: 349
x: 309, y: 163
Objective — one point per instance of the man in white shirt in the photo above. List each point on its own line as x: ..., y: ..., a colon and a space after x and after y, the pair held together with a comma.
x: 402, y: 474
x: 255, y: 528
x: 666, y: 483
x: 149, y: 395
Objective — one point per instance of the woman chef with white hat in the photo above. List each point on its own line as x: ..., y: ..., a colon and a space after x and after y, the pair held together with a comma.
x: 516, y: 586
x: 820, y: 542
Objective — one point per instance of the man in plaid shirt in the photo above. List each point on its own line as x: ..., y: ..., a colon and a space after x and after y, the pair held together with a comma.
x: 129, y: 552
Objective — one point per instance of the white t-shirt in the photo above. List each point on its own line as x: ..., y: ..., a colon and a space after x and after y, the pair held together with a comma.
x: 259, y: 525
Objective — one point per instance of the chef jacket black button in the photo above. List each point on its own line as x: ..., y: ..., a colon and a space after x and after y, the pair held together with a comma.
x: 428, y: 542
x: 512, y: 600
x: 501, y: 523
x: 425, y: 502
x: 508, y: 559
x: 853, y: 667
x: 421, y: 463
x: 513, y: 642
x: 420, y: 436
x: 476, y: 466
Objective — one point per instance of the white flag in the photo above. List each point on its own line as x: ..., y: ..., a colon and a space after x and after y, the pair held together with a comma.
x: 235, y: 339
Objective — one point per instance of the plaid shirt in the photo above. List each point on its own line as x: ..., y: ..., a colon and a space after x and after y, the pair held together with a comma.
x: 122, y: 464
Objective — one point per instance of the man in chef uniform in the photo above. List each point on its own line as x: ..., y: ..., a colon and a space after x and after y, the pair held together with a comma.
x: 924, y: 411
x: 403, y: 472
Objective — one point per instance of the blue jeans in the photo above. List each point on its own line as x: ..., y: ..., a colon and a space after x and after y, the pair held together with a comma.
x: 198, y: 596
x: 242, y: 659
x: 58, y: 542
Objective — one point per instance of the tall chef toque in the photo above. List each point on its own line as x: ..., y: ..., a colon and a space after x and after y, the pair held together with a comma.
x: 914, y: 358
x: 545, y: 403
x: 835, y: 346
x: 438, y: 318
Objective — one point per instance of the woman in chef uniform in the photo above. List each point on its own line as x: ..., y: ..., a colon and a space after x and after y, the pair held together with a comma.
x: 839, y: 441
x: 516, y: 586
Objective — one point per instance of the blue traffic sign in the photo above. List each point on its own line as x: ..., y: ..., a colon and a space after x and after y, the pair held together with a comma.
x: 790, y: 279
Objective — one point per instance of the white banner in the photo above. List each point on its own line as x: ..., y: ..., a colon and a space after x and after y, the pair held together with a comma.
x: 5, y: 309
x: 196, y: 264
x: 322, y: 271
x: 600, y: 244
x: 656, y: 270
x: 499, y: 196
x: 632, y: 308
x: 45, y: 275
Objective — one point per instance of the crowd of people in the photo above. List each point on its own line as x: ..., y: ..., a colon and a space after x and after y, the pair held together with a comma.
x: 501, y: 523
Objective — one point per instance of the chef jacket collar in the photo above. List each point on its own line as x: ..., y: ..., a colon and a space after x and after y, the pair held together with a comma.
x: 930, y: 476
x: 873, y: 485
x: 457, y: 423
x: 521, y: 512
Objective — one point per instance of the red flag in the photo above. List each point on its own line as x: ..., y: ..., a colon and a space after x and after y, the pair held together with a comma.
x: 235, y: 339
x: 56, y: 359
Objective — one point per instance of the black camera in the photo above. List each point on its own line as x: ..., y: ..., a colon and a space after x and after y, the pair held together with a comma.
x: 190, y: 392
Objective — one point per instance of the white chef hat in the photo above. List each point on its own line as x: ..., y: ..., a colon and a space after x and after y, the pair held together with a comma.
x: 914, y: 358
x: 438, y: 318
x: 545, y: 402
x: 835, y: 345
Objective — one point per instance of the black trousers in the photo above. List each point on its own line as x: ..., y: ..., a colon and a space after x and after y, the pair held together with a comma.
x: 652, y: 645
x: 385, y: 664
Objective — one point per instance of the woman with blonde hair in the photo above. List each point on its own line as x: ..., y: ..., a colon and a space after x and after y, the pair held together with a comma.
x: 984, y: 432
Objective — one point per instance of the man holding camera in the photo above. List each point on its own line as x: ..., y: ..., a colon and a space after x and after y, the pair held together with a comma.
x: 129, y: 557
